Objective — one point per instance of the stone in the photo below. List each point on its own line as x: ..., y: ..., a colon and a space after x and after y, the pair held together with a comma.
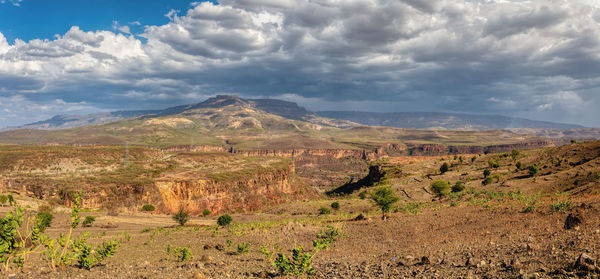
x: 573, y: 221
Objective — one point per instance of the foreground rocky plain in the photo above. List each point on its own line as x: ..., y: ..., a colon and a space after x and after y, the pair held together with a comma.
x: 516, y: 225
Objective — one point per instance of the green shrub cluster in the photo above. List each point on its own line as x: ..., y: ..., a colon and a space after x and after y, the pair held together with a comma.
x: 224, y: 220
x: 148, y: 207
x: 440, y: 187
x: 181, y: 217
x: 180, y: 254
x: 88, y: 221
x: 335, y: 205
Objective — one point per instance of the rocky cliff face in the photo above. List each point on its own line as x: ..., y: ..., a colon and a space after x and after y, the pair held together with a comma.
x: 244, y: 194
x: 438, y: 149
x: 332, y: 153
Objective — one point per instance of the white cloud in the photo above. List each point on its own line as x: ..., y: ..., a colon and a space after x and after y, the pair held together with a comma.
x: 509, y: 57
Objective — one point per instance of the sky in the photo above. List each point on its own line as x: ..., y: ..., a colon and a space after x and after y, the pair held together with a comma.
x: 536, y: 59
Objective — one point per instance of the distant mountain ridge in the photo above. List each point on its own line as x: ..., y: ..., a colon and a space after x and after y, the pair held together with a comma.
x: 440, y: 120
x: 291, y: 110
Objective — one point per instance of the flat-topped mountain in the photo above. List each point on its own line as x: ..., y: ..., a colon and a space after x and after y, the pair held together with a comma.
x: 439, y: 120
x: 341, y: 119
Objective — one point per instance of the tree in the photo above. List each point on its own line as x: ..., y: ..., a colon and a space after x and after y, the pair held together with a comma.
x: 486, y: 173
x: 385, y: 197
x: 533, y: 170
x: 440, y: 187
x: 181, y: 217
x: 515, y: 154
x: 458, y: 187
x: 444, y: 168
x: 224, y: 220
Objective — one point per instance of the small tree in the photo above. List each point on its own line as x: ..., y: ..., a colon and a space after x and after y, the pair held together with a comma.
x: 493, y: 163
x: 458, y: 187
x: 44, y: 220
x: 515, y: 154
x: 486, y: 173
x: 440, y: 187
x: 519, y: 165
x: 205, y: 212
x: 444, y: 168
x: 533, y: 170
x: 385, y: 197
x: 335, y: 205
x: 181, y: 217
x: 224, y: 220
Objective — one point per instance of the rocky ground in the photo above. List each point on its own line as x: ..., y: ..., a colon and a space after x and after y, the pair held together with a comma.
x: 440, y: 241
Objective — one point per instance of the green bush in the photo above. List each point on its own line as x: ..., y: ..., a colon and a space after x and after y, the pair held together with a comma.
x: 44, y: 220
x: 385, y: 197
x: 205, y: 212
x: 444, y: 168
x: 3, y: 199
x: 300, y: 263
x: 519, y: 165
x: 515, y: 154
x: 224, y: 220
x: 533, y: 170
x: 335, y: 205
x: 88, y: 221
x: 148, y: 207
x: 486, y: 173
x: 440, y: 187
x: 473, y: 159
x: 488, y: 180
x: 493, y: 163
x: 180, y: 254
x: 362, y: 195
x: 243, y: 248
x: 324, y: 211
x: 561, y: 206
x: 458, y: 187
x: 181, y: 217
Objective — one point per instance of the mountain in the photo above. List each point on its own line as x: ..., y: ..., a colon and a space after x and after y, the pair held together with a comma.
x: 441, y: 121
x: 284, y: 109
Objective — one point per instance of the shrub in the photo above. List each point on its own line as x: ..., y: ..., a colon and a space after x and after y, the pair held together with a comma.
x: 300, y: 263
x: 515, y: 154
x: 473, y: 159
x: 460, y: 159
x: 88, y: 221
x: 440, y: 188
x: 486, y: 173
x: 243, y: 248
x: 444, y: 168
x: 224, y: 220
x: 488, y: 180
x: 180, y: 254
x: 519, y: 165
x: 529, y: 207
x: 3, y: 199
x: 324, y: 211
x: 458, y: 187
x: 385, y: 197
x: 148, y: 207
x: 181, y: 217
x: 561, y: 206
x: 335, y: 205
x: 533, y: 170
x: 493, y: 163
x: 205, y: 212
x: 87, y: 257
x: 44, y: 220
x: 362, y: 195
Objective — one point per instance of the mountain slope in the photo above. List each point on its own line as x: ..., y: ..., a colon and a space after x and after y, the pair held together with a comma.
x: 438, y: 120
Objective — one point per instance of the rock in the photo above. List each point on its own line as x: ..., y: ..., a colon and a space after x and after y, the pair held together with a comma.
x: 206, y: 259
x: 585, y: 263
x: 573, y: 220
x: 361, y: 217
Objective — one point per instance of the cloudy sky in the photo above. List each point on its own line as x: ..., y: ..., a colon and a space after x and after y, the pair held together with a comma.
x: 535, y: 59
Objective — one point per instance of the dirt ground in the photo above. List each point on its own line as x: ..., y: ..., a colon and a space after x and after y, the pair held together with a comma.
x: 440, y: 241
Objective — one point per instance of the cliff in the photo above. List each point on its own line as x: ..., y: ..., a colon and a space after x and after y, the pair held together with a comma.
x: 247, y: 193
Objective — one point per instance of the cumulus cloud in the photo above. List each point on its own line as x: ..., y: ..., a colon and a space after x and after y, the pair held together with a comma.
x: 538, y: 59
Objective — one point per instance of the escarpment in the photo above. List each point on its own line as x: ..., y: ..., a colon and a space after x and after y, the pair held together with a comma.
x: 226, y: 192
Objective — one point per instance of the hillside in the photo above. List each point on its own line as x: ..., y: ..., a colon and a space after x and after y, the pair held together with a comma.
x: 232, y: 123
